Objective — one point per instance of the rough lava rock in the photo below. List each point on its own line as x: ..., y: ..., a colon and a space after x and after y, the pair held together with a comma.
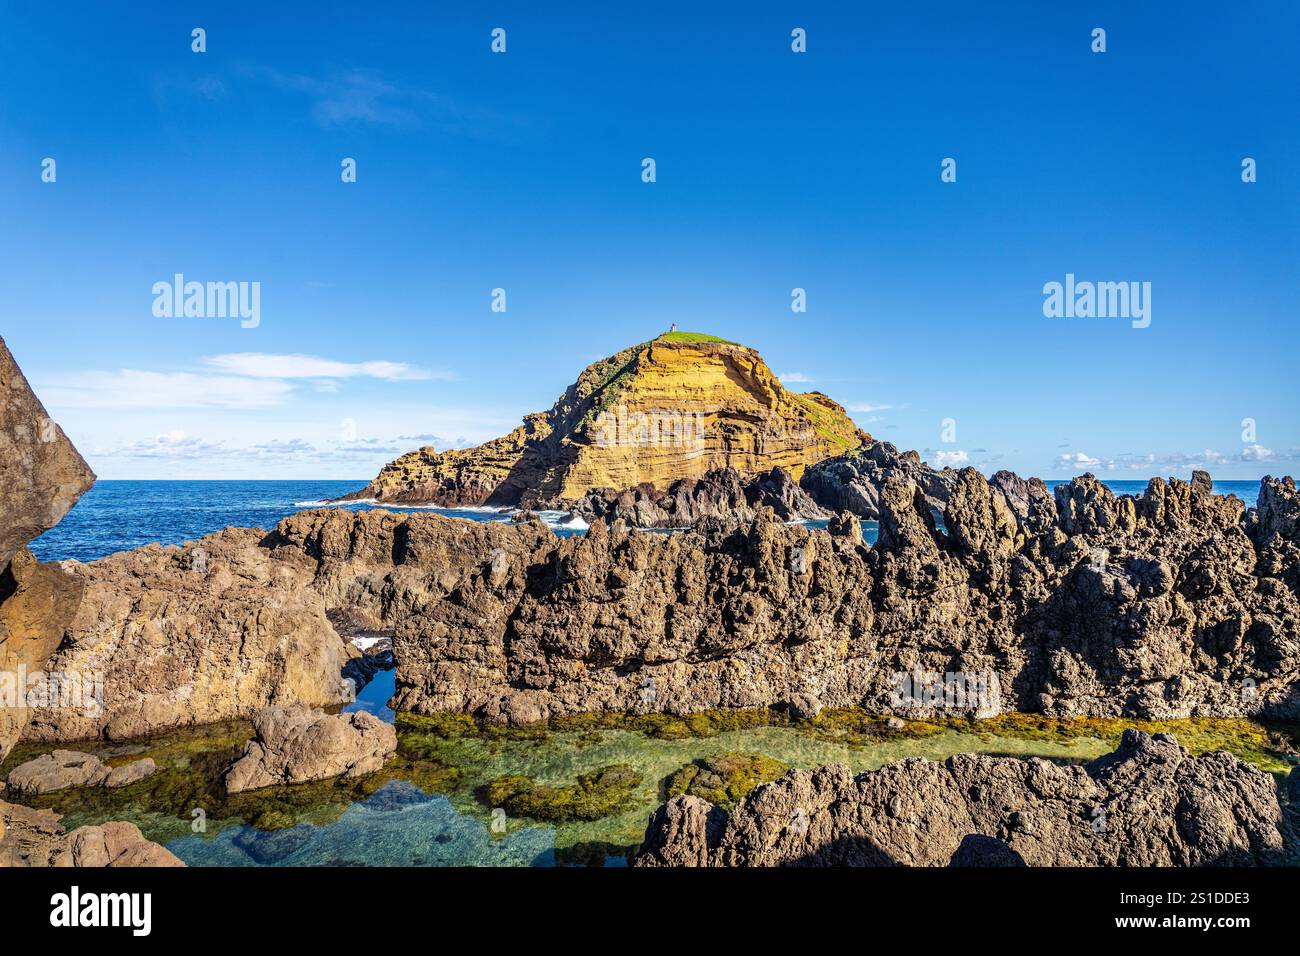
x: 1173, y: 603
x: 297, y: 744
x: 724, y: 493
x: 213, y: 631
x: 1147, y: 804
x: 853, y: 481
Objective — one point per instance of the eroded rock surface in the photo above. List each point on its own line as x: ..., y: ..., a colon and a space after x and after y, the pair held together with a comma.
x: 1147, y: 804
x: 188, y: 635
x: 719, y: 494
x: 297, y: 744
x: 43, y: 476
x: 1158, y: 606
x: 31, y: 837
x: 853, y: 481
x: 63, y: 769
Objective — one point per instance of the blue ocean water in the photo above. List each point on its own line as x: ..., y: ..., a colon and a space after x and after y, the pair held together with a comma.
x: 118, y: 515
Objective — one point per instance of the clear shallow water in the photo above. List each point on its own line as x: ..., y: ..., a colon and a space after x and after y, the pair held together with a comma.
x: 118, y: 515
x: 396, y: 822
x: 427, y: 807
x: 375, y: 695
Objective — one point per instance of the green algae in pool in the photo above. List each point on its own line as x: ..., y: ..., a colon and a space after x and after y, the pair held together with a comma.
x: 596, y: 780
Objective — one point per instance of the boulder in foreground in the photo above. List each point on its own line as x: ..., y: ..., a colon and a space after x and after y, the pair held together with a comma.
x: 297, y: 745
x: 30, y: 838
x: 63, y: 769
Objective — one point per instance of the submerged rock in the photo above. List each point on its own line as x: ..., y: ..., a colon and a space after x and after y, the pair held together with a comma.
x: 1147, y: 804
x: 594, y: 795
x: 724, y: 778
x: 297, y: 744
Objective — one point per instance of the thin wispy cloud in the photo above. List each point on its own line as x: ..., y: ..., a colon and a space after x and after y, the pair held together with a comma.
x: 134, y: 388
x: 794, y: 377
x: 178, y: 445
x: 266, y: 365
x: 368, y: 97
x: 867, y: 408
x: 1173, y: 462
x: 235, y: 381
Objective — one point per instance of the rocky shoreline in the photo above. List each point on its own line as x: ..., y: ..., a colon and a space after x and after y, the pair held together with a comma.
x: 1147, y: 804
x: 980, y: 597
x: 1176, y: 603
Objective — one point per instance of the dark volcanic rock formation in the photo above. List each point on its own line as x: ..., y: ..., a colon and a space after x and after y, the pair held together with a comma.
x: 724, y: 493
x: 43, y: 474
x: 1170, y: 604
x: 214, y: 631
x: 1156, y: 606
x: 1147, y: 804
x: 853, y: 482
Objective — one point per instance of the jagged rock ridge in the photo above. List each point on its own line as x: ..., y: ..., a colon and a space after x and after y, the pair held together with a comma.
x: 1171, y: 604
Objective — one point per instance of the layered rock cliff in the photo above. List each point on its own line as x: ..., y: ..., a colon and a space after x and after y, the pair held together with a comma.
x: 1147, y: 804
x: 675, y: 408
x: 43, y: 476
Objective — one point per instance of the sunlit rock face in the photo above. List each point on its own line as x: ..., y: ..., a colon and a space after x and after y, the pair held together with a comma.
x: 679, y: 407
x: 41, y: 477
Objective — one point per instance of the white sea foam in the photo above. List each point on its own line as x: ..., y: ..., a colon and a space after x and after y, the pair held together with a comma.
x: 570, y: 522
x: 562, y: 520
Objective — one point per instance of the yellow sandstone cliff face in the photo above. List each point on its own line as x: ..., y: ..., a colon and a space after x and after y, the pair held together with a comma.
x: 677, y: 407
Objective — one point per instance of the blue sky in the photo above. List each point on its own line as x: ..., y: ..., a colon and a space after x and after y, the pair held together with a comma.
x: 775, y: 170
